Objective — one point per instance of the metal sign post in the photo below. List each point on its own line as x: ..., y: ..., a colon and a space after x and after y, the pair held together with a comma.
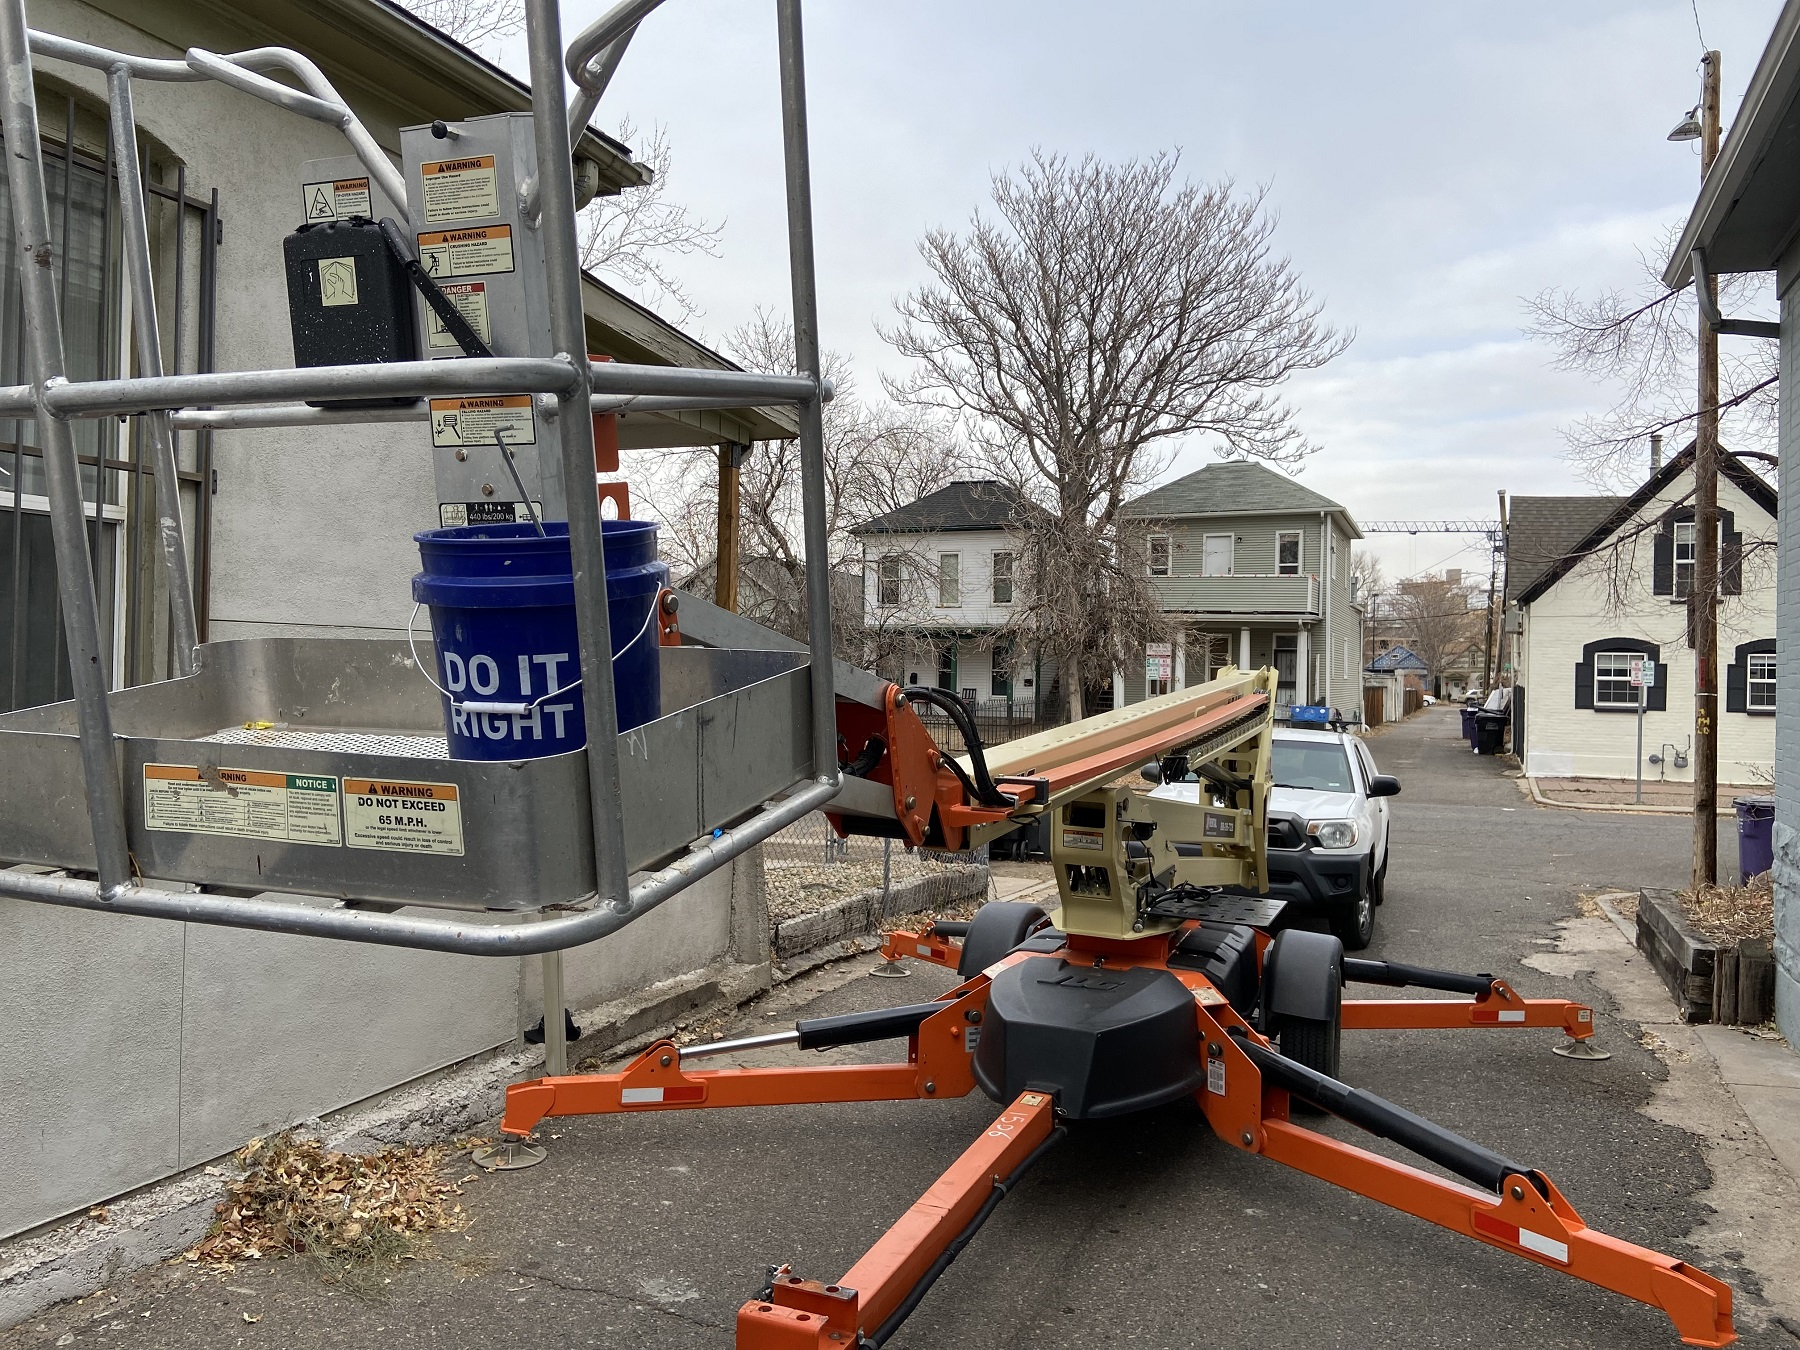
x: 1643, y: 679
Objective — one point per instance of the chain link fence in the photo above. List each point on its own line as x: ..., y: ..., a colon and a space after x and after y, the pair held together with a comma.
x: 822, y: 888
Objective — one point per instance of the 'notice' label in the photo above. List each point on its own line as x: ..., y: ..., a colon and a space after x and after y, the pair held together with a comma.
x: 398, y: 817
x: 242, y: 803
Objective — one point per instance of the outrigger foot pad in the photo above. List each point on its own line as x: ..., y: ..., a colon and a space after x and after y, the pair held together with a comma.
x: 890, y: 970
x: 511, y: 1155
x: 1580, y: 1050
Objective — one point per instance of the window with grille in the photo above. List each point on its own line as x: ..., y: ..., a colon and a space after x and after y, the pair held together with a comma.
x: 887, y: 584
x: 1159, y: 555
x: 1612, y: 679
x: 949, y: 580
x: 1760, y: 680
x: 1003, y: 578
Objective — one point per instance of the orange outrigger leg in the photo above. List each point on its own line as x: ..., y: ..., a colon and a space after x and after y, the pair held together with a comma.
x: 1245, y: 1100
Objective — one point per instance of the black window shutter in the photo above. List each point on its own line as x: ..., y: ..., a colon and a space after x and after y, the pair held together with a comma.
x: 1736, y: 700
x: 1731, y: 563
x: 1657, y: 700
x: 1662, y: 562
x: 1584, y: 685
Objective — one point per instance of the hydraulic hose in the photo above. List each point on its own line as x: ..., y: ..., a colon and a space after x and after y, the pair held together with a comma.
x: 982, y: 789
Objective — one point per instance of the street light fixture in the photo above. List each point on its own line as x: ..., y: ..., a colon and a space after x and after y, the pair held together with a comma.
x: 1688, y: 128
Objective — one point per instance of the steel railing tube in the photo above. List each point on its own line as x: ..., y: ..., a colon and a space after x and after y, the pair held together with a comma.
x: 400, y: 379
x: 184, y: 627
x: 806, y: 356
x: 456, y: 936
x: 586, y: 59
x: 36, y: 255
x: 575, y: 428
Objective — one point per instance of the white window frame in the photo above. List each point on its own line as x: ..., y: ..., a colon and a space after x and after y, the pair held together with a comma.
x: 1001, y: 575
x: 1151, y: 566
x: 1684, y: 539
x: 1299, y: 538
x: 949, y: 581
x: 885, y: 565
x: 1763, y: 684
x: 1230, y: 557
x: 1621, y: 676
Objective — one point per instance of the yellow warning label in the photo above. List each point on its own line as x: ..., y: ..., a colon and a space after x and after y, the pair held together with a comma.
x: 460, y: 189
x: 337, y: 199
x: 462, y: 253
x: 245, y: 803
x: 399, y: 817
x: 479, y: 420
x: 470, y: 299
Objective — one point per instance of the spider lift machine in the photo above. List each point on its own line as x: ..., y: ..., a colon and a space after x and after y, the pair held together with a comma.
x: 1163, y: 973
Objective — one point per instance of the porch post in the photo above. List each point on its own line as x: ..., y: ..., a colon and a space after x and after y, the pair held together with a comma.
x: 1243, y: 649
x: 1303, y: 689
x: 1181, y: 658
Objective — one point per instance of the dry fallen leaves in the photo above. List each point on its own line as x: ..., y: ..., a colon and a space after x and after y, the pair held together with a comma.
x: 296, y: 1195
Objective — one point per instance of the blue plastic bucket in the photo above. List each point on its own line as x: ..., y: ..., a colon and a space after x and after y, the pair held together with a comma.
x: 502, y: 602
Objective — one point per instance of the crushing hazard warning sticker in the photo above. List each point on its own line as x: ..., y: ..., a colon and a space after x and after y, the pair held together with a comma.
x: 479, y: 420
x: 244, y: 803
x: 462, y: 253
x: 334, y: 199
x: 398, y: 817
x: 460, y: 189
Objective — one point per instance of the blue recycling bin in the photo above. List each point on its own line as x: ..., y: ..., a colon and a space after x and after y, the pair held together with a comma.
x: 1468, y: 719
x: 1756, y: 835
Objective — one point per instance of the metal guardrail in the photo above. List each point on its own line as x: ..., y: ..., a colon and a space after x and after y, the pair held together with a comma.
x: 568, y: 388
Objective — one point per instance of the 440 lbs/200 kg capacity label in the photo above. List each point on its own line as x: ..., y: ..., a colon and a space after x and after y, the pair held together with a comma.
x: 403, y: 817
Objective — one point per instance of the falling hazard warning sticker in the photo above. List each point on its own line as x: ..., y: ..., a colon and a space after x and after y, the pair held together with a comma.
x: 481, y: 419
x: 334, y: 199
x: 398, y: 817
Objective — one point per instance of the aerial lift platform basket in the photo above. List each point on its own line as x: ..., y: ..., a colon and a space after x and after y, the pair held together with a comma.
x: 1149, y: 983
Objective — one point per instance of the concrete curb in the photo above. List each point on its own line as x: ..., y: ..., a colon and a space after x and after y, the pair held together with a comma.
x: 1624, y: 808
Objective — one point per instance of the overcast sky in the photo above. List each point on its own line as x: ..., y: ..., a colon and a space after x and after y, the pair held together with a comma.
x: 1432, y: 165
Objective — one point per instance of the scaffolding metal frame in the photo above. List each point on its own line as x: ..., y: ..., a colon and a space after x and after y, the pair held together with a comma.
x: 567, y: 387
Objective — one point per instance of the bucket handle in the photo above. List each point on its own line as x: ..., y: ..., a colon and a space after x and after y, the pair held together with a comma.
x: 509, y: 709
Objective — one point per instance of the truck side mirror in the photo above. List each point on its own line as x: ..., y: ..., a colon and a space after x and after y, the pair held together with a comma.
x: 1151, y: 772
x: 1384, y: 785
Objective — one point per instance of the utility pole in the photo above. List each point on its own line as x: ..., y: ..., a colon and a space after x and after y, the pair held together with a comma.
x: 1703, y: 595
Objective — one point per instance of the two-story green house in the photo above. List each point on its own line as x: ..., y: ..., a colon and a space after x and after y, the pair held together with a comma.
x: 1252, y: 569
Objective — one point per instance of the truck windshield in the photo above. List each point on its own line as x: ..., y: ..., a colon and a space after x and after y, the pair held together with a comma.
x: 1316, y: 765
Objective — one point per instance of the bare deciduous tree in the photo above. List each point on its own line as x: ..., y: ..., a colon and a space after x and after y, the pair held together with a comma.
x: 1439, y: 620
x: 878, y: 456
x: 474, y: 23
x: 1643, y: 340
x: 1103, y: 311
x: 634, y: 237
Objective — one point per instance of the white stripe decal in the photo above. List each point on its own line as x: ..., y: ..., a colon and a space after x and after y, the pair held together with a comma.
x: 924, y: 950
x: 1544, y: 1246
x: 1515, y: 1016
x: 639, y: 1096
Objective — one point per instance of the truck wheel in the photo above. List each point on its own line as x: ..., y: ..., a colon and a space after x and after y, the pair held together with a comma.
x: 1355, y: 926
x: 995, y: 931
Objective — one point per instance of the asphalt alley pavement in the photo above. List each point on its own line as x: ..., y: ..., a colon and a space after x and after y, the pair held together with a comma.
x: 1145, y: 1231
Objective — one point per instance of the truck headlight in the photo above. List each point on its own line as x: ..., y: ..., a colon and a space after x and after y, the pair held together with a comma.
x: 1333, y: 833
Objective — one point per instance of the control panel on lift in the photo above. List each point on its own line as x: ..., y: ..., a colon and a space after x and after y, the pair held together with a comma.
x: 458, y: 272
